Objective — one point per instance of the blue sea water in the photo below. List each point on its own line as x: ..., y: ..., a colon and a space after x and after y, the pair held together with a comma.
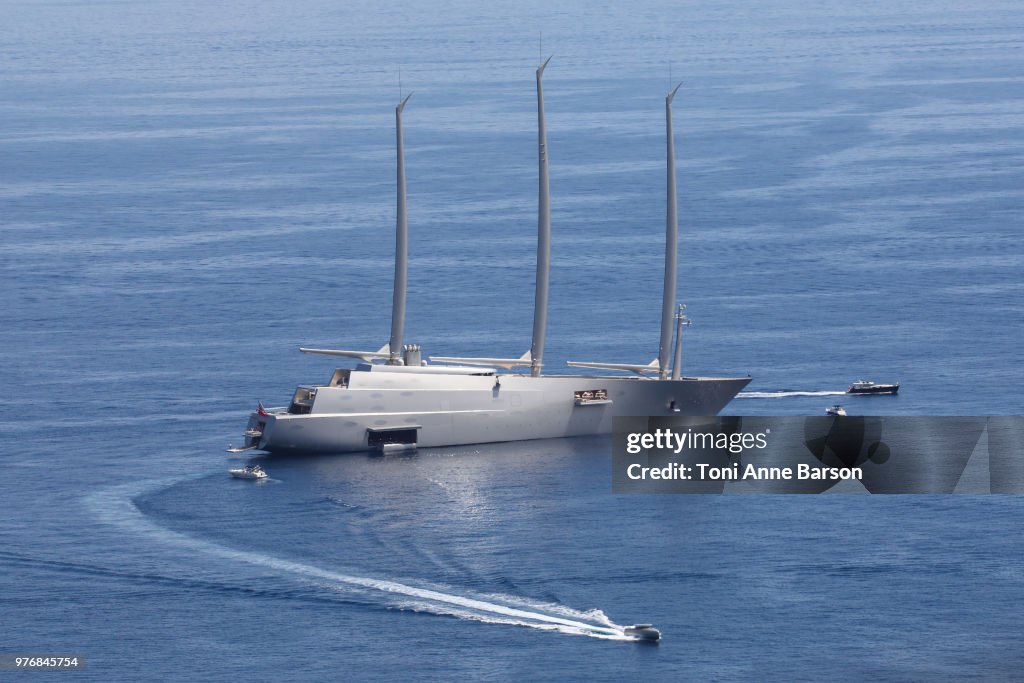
x: 189, y: 191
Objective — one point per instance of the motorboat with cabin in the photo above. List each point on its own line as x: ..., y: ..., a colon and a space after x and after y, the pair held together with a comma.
x: 394, y: 399
x: 836, y: 411
x: 865, y: 386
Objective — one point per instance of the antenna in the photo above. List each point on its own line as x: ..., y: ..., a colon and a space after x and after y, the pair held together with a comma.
x: 681, y: 322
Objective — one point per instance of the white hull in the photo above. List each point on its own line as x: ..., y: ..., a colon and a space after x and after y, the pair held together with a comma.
x: 448, y: 410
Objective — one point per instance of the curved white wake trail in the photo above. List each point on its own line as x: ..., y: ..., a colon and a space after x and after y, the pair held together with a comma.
x: 787, y: 394
x: 115, y: 506
x: 589, y: 630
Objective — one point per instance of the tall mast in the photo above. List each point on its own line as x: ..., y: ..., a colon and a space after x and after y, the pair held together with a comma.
x: 401, y: 249
x: 668, y: 296
x: 540, y: 302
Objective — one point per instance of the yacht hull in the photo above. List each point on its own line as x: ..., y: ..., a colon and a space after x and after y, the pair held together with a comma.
x: 448, y: 410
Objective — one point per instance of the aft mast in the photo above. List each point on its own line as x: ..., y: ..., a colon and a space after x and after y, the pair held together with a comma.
x: 540, y: 302
x: 401, y: 248
x: 668, y: 297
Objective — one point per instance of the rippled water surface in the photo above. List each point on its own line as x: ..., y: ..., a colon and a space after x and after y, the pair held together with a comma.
x: 188, y: 192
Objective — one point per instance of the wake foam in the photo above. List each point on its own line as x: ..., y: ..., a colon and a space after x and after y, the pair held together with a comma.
x: 116, y: 506
x: 787, y: 394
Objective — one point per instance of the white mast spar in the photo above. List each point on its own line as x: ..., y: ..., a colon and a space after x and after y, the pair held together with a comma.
x: 392, y: 351
x: 668, y: 296
x: 401, y: 247
x: 540, y: 302
x: 535, y: 356
x: 660, y: 365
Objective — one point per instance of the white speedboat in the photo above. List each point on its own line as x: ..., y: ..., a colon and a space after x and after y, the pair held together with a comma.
x: 835, y: 410
x: 394, y: 399
x: 248, y: 472
x: 642, y: 632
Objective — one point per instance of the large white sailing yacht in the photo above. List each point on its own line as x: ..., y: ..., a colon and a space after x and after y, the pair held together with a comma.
x: 394, y: 399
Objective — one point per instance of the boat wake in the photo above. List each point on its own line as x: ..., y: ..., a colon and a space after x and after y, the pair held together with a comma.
x: 116, y: 506
x: 787, y: 394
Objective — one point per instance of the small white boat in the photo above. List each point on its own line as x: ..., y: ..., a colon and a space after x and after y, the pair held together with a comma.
x: 835, y: 410
x: 642, y: 632
x: 248, y: 472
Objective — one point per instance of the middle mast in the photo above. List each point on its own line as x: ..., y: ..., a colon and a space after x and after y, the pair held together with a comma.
x: 535, y: 356
x: 540, y: 301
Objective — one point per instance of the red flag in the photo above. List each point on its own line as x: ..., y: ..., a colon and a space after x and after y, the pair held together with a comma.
x: 260, y: 410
